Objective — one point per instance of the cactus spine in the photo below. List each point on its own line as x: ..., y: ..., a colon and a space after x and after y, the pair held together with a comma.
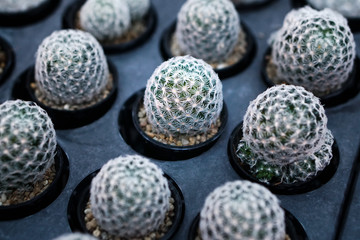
x: 285, y: 135
x: 208, y: 29
x: 241, y: 210
x: 129, y: 196
x: 27, y: 144
x: 314, y: 49
x: 183, y: 96
x: 71, y: 67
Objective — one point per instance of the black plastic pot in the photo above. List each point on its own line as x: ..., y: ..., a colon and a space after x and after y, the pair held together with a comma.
x: 165, y: 50
x: 30, y: 16
x: 10, y: 59
x: 68, y: 21
x: 293, y: 227
x: 252, y: 6
x: 81, y: 194
x: 348, y: 91
x: 313, y: 183
x: 42, y: 200
x: 134, y: 136
x: 66, y: 119
x: 354, y: 22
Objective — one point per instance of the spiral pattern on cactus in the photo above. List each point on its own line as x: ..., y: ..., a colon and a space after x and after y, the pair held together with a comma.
x: 208, y: 29
x: 75, y: 236
x: 138, y: 8
x: 183, y: 95
x: 314, y: 49
x: 15, y: 6
x: 71, y: 67
x: 348, y: 8
x: 129, y: 196
x: 27, y: 144
x: 105, y: 19
x: 241, y: 210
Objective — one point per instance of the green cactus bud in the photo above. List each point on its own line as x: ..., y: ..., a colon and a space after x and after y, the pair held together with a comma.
x: 183, y: 95
x: 15, y: 6
x: 314, y: 49
x: 105, y: 19
x: 71, y: 67
x: 75, y: 236
x: 241, y: 210
x: 27, y: 144
x: 348, y: 8
x: 129, y: 196
x: 138, y: 8
x: 285, y: 135
x: 208, y: 29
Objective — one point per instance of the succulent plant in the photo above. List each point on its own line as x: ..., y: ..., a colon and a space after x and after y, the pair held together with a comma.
x: 314, y: 49
x: 105, y: 19
x: 75, y: 236
x: 348, y: 8
x: 138, y: 8
x: 129, y: 196
x: 27, y: 144
x: 71, y: 67
x: 208, y: 29
x: 14, y: 6
x: 241, y: 210
x: 285, y: 135
x: 183, y: 96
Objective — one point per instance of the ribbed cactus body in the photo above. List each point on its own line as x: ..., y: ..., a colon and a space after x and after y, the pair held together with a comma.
x: 285, y: 132
x: 208, y: 29
x: 183, y: 95
x: 138, y: 8
x: 314, y: 49
x: 129, y: 196
x: 105, y: 19
x: 14, y: 6
x: 348, y: 8
x: 71, y: 67
x: 27, y: 144
x: 75, y: 236
x: 242, y: 210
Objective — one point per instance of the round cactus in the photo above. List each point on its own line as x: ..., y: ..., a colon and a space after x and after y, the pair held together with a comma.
x: 129, y: 196
x: 348, y: 8
x: 138, y: 8
x: 183, y: 96
x: 208, y: 29
x: 241, y: 210
x: 71, y: 67
x: 27, y: 144
x: 75, y: 236
x: 105, y: 19
x: 285, y: 135
x: 15, y: 6
x: 314, y: 49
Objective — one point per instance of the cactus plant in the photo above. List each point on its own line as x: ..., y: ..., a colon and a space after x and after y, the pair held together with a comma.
x: 285, y: 135
x: 348, y: 8
x: 208, y: 29
x: 75, y: 236
x: 129, y: 196
x: 71, y: 68
x: 15, y: 6
x: 27, y: 144
x: 138, y: 8
x: 183, y: 96
x: 105, y: 19
x: 314, y: 49
x: 242, y: 210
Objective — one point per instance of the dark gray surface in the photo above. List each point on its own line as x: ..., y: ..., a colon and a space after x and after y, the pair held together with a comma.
x: 91, y: 146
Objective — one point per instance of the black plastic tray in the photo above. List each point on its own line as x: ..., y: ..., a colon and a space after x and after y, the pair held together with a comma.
x: 91, y: 146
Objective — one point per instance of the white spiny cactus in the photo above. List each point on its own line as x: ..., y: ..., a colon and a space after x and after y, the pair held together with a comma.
x: 208, y: 29
x: 129, y: 196
x: 314, y: 49
x: 242, y: 210
x: 71, y: 67
x: 183, y: 95
x: 27, y: 144
x: 138, y: 8
x: 105, y: 19
x: 75, y: 236
x: 348, y: 8
x: 15, y: 6
x: 285, y: 135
